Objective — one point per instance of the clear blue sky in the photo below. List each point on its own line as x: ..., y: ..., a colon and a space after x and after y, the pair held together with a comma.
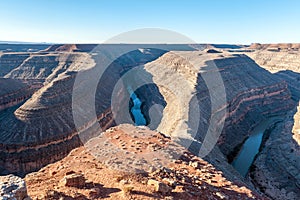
x: 209, y: 21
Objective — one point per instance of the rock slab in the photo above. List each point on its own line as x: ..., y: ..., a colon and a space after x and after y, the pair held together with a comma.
x: 12, y: 188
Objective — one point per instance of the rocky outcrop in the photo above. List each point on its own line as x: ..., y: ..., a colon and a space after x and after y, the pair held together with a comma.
x: 181, y: 175
x: 35, y: 67
x: 293, y: 80
x: 279, y: 46
x: 38, y: 66
x: 285, y: 64
x: 12, y: 188
x: 276, y: 169
x: 296, y: 127
x: 73, y: 180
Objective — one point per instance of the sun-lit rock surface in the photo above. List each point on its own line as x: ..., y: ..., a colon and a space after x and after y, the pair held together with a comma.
x: 181, y: 177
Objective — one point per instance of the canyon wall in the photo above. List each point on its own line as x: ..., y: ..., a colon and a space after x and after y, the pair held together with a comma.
x: 252, y: 94
x: 43, y: 127
x: 276, y: 168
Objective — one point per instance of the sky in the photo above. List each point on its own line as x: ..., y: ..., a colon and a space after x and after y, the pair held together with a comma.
x: 204, y: 21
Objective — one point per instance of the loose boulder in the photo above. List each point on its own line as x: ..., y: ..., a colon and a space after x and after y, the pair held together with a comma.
x: 159, y: 186
x: 74, y: 180
x: 12, y: 188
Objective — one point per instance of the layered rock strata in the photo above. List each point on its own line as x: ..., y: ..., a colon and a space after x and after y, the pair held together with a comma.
x: 249, y: 99
x: 13, y: 92
x: 43, y: 127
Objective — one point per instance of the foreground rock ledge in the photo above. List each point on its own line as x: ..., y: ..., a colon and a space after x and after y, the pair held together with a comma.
x: 180, y: 177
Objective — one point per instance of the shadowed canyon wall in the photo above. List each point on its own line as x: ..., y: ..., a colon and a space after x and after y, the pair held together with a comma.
x: 276, y: 168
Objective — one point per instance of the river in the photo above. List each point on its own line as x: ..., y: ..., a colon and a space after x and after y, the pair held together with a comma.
x: 139, y: 118
x: 250, y: 148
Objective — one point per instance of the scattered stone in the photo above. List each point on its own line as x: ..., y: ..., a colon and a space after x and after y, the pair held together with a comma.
x: 117, y: 137
x: 178, y: 161
x: 170, y: 182
x: 127, y: 189
x: 52, y: 172
x: 74, y: 180
x: 159, y: 186
x: 179, y: 189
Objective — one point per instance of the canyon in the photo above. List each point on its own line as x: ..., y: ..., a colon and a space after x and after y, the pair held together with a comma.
x: 206, y: 99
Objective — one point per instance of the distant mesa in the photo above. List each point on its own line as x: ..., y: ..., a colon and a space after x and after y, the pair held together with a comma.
x: 70, y: 48
x: 274, y: 47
